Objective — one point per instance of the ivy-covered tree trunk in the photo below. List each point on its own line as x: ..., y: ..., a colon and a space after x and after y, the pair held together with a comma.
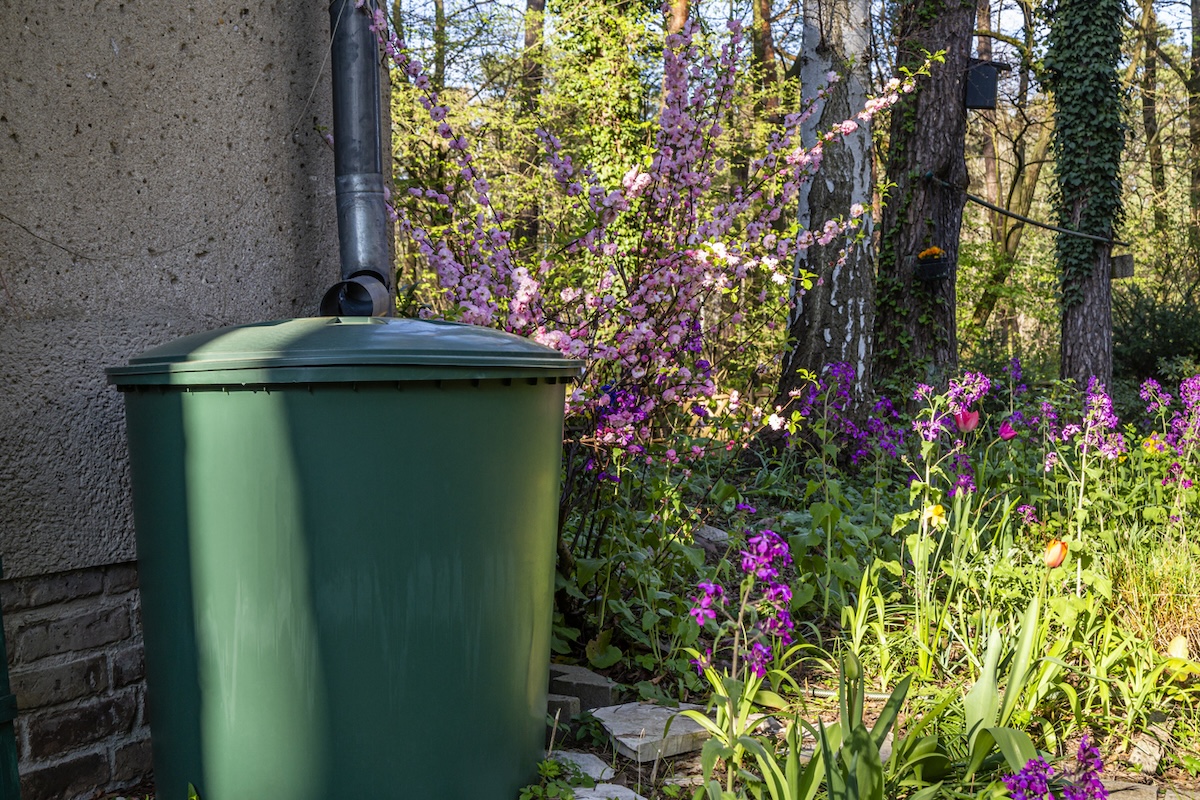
x: 1089, y: 137
x: 926, y: 172
x: 834, y: 321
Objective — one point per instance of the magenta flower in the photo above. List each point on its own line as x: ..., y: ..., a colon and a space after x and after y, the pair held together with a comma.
x: 966, y: 421
x: 1007, y: 431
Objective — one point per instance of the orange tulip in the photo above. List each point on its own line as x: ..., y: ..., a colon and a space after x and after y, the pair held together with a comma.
x: 1056, y: 551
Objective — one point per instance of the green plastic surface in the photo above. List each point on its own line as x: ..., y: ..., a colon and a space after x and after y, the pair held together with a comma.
x: 323, y: 349
x: 346, y: 588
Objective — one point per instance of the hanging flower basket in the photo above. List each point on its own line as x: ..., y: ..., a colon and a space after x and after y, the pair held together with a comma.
x: 932, y: 265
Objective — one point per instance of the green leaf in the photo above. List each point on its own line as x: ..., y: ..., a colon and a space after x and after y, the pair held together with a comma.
x: 601, y: 654
x: 586, y: 569
x: 769, y: 699
x: 982, y: 702
x: 865, y: 763
x: 1030, y: 636
x: 1016, y: 746
x: 891, y: 710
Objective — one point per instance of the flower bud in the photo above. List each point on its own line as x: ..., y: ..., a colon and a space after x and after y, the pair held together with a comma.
x: 1056, y: 551
x: 966, y: 421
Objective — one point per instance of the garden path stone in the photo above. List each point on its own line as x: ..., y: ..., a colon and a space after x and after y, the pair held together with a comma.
x: 592, y: 689
x: 562, y: 706
x: 1148, y: 750
x: 587, y: 763
x: 713, y: 540
x: 1173, y: 793
x: 637, y: 730
x: 1122, y: 790
x: 607, y: 791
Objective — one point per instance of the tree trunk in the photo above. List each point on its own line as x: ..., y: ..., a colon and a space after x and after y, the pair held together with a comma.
x: 1158, y: 174
x: 1193, y: 113
x: 766, y: 65
x: 1027, y: 167
x: 677, y: 16
x: 915, y: 333
x: 1020, y: 200
x: 991, y: 168
x: 1089, y: 138
x: 834, y: 322
x: 439, y: 46
x: 1087, y: 325
x: 526, y: 231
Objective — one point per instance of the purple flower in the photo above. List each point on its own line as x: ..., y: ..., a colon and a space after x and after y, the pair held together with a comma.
x: 763, y: 550
x: 757, y: 657
x: 749, y: 509
x: 928, y: 429
x: 1155, y: 398
x: 966, y: 392
x: 710, y: 594
x: 1100, y: 423
x: 1032, y: 782
x: 1028, y: 514
x: 1189, y: 392
x: 1084, y: 782
x: 703, y: 662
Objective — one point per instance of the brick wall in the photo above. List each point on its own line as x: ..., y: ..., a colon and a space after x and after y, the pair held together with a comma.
x: 75, y: 660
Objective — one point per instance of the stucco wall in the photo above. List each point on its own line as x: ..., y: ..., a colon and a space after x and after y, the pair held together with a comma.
x: 160, y: 174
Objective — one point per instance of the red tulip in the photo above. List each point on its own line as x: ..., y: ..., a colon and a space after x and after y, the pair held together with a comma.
x: 1007, y: 431
x: 967, y: 421
x: 1056, y: 551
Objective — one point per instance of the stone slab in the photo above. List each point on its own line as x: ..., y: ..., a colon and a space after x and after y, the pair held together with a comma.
x: 592, y: 689
x: 1123, y: 790
x: 639, y: 730
x: 1177, y: 793
x: 586, y: 763
x: 562, y: 707
x: 1148, y: 750
x: 607, y: 791
x: 713, y: 540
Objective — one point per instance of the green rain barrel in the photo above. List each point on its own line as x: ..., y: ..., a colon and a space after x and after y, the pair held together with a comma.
x: 345, y: 534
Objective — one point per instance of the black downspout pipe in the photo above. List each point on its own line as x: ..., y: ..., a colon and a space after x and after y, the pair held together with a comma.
x: 363, y: 227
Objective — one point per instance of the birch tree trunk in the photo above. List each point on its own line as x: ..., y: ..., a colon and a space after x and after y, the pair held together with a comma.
x: 915, y: 327
x: 834, y: 321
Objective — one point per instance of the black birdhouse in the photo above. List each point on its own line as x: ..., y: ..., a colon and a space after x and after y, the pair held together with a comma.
x: 982, y: 77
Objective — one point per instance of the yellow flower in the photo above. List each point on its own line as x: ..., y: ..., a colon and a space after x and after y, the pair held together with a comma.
x: 934, y: 515
x: 931, y: 252
x: 1154, y: 445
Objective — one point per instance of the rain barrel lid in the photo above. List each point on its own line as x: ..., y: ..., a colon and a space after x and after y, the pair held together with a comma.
x: 343, y: 349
